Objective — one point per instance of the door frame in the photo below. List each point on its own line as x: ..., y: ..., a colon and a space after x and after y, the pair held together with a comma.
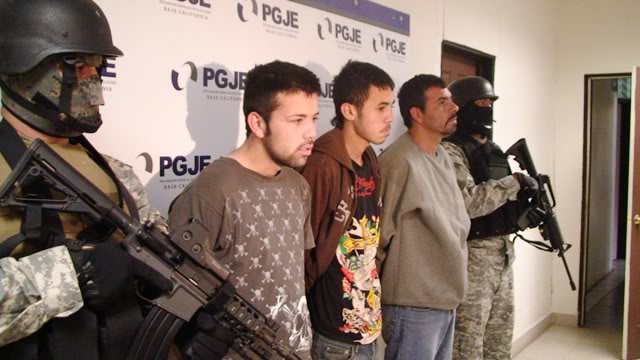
x: 630, y: 329
x: 487, y: 62
x: 586, y: 171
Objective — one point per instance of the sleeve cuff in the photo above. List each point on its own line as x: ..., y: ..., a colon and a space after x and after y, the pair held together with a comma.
x: 51, y: 271
x: 513, y: 185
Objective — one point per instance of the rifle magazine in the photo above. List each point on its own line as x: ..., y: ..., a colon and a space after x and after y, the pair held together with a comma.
x: 155, y: 336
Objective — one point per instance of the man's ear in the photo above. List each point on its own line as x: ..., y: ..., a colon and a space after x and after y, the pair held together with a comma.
x: 349, y: 111
x: 257, y: 124
x: 416, y: 114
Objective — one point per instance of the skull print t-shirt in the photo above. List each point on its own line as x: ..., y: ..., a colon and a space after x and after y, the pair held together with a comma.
x: 259, y: 228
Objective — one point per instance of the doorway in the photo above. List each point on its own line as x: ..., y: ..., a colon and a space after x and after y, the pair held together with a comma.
x: 459, y: 61
x: 607, y: 124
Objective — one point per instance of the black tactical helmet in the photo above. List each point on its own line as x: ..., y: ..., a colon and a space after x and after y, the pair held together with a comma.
x: 31, y: 30
x: 470, y: 89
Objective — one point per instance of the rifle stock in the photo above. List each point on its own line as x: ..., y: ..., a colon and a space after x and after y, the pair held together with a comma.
x: 544, y: 200
x: 200, y: 281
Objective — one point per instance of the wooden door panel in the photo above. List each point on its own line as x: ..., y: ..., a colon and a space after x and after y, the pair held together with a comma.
x: 456, y: 67
x: 633, y: 255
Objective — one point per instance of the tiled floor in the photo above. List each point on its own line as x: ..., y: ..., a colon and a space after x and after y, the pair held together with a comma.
x: 572, y: 343
x: 604, y: 287
x: 601, y: 339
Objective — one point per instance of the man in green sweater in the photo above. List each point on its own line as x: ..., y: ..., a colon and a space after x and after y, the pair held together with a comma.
x: 423, y: 251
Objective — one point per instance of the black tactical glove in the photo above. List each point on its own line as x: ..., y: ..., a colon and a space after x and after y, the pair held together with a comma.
x: 532, y: 217
x: 535, y: 216
x: 105, y: 270
x: 210, y: 342
x: 528, y: 184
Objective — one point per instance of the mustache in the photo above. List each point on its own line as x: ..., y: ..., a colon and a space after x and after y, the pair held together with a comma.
x: 307, y: 143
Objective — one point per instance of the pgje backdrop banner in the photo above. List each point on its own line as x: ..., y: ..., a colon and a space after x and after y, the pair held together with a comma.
x: 174, y: 100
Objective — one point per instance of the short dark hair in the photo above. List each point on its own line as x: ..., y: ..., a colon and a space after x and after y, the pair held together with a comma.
x: 264, y: 83
x: 352, y: 86
x: 412, y: 94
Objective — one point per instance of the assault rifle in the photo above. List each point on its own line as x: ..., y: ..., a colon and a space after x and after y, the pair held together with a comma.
x: 200, y: 281
x: 542, y: 204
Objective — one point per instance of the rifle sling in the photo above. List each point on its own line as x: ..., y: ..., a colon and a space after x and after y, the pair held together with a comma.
x: 536, y: 244
x: 12, y: 148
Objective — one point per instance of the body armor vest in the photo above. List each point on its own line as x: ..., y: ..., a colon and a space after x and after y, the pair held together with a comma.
x: 487, y: 161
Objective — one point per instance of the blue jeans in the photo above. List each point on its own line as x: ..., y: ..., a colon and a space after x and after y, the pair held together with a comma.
x: 417, y: 333
x: 327, y: 349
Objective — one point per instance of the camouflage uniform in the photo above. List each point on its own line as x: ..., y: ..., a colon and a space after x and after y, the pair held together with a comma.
x: 43, y: 285
x: 484, y: 320
x: 34, y: 290
x: 132, y: 183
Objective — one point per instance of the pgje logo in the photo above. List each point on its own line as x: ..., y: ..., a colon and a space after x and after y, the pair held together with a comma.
x: 108, y: 70
x: 177, y: 166
x: 175, y: 76
x: 108, y: 74
x: 327, y: 29
x: 219, y: 78
x: 389, y: 45
x: 198, y: 9
x: 201, y: 3
x: 267, y: 14
x: 148, y: 162
x: 241, y: 10
x: 326, y: 91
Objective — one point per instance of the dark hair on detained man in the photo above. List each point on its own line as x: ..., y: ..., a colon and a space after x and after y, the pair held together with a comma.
x: 412, y: 94
x: 352, y: 86
x: 264, y: 83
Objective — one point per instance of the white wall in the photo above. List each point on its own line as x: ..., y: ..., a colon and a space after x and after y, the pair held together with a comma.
x: 593, y: 36
x: 602, y: 202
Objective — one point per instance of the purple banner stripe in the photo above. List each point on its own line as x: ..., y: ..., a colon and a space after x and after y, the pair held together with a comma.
x: 365, y: 11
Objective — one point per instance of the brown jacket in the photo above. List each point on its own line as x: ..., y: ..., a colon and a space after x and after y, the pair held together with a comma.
x: 332, y: 180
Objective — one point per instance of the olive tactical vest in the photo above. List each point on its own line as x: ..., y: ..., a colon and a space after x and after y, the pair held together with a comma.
x: 487, y: 161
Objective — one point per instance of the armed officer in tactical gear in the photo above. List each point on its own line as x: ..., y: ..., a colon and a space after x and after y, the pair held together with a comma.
x: 65, y: 284
x: 494, y: 198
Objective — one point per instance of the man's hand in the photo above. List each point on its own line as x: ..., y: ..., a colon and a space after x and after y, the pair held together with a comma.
x: 106, y: 269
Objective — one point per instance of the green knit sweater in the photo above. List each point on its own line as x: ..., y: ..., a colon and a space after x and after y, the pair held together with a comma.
x: 423, y: 249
